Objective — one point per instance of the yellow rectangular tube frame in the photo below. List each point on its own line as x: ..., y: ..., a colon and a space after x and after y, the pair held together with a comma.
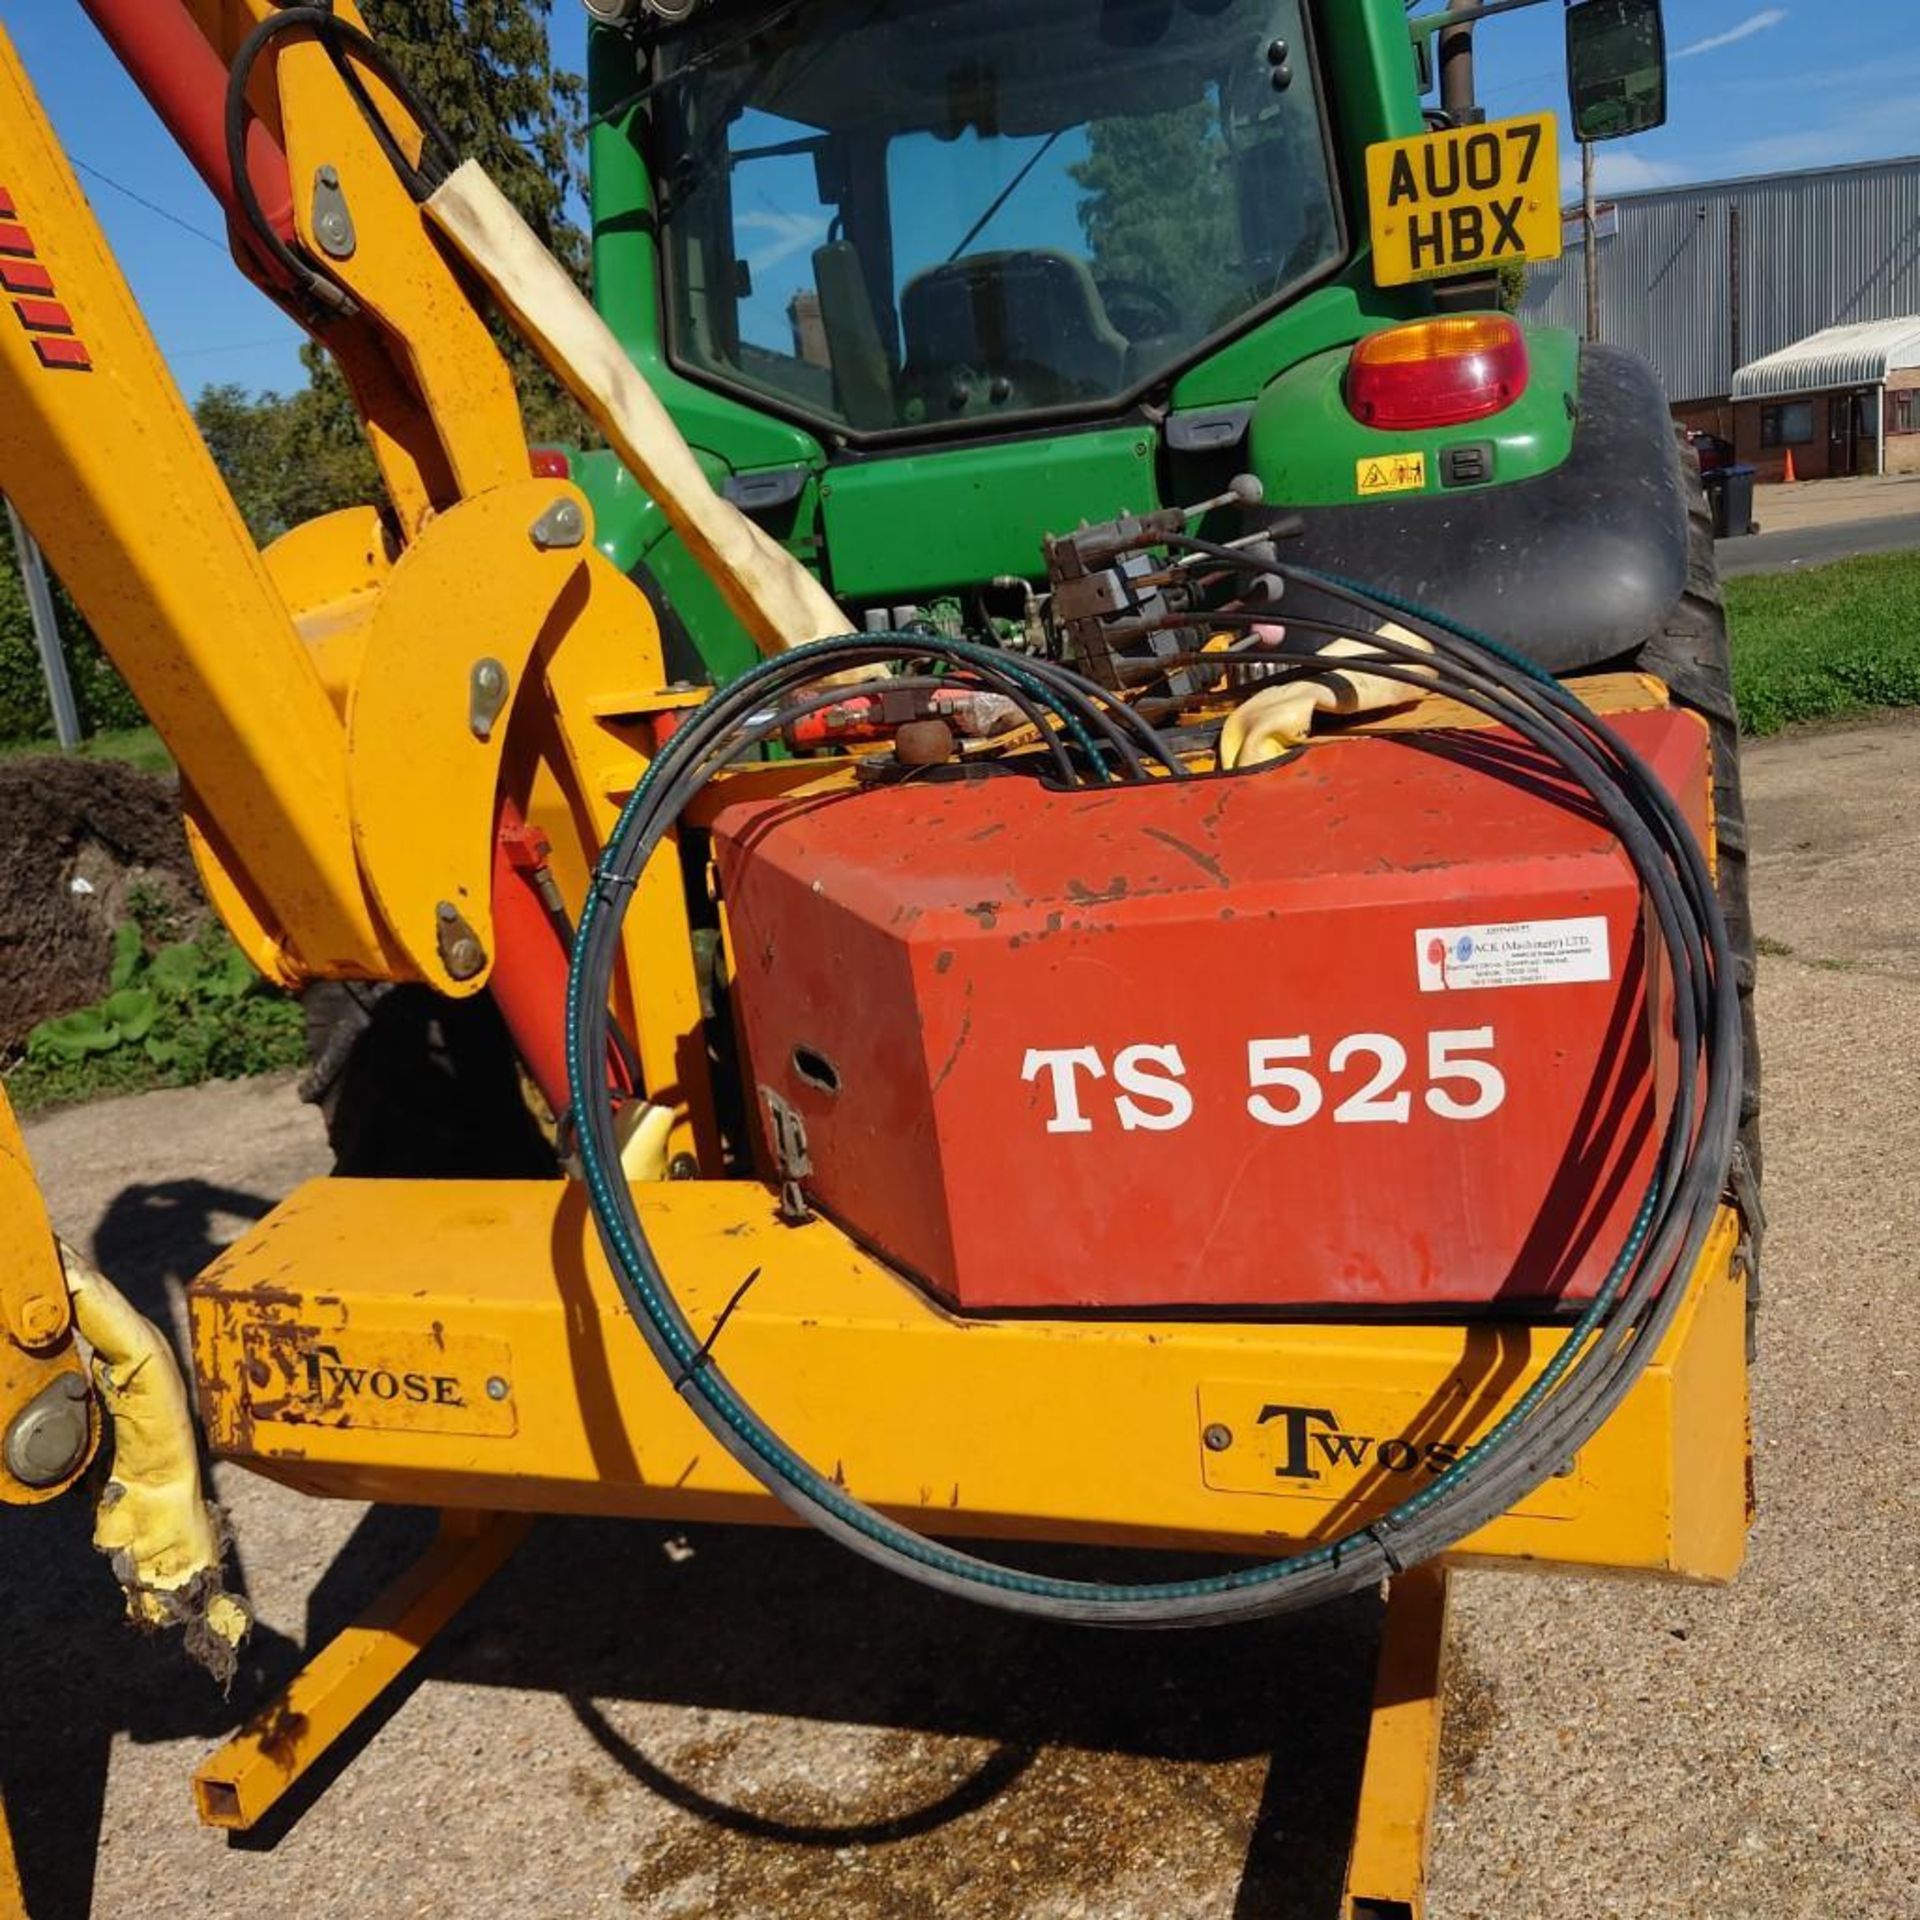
x: 462, y: 1344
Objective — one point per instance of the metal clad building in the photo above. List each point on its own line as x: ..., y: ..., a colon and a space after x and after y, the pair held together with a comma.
x: 1700, y: 280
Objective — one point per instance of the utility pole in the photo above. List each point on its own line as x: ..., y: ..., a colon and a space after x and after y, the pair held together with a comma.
x: 1456, y: 66
x: 1733, y: 284
x: 1592, y: 246
x: 46, y: 634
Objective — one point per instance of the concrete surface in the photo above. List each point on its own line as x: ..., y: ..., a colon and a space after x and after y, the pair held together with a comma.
x: 1826, y: 503
x: 1820, y: 521
x: 730, y: 1724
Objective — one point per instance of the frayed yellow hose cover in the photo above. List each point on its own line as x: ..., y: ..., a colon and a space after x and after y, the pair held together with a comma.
x: 153, y: 1523
x: 1278, y: 719
x: 645, y: 1133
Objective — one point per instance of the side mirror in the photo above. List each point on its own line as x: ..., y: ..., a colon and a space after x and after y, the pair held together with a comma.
x: 1616, y: 67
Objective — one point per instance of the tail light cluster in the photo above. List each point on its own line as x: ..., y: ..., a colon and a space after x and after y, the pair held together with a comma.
x: 1437, y: 373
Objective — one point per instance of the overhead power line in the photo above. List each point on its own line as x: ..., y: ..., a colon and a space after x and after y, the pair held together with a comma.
x: 140, y: 200
x: 234, y: 346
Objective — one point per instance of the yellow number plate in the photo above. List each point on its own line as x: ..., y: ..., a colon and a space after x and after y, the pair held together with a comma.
x: 1464, y: 200
x: 301, y: 1376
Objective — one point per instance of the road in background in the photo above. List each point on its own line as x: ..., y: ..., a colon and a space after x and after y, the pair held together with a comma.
x: 1816, y: 546
x: 1821, y: 521
x: 637, y: 1721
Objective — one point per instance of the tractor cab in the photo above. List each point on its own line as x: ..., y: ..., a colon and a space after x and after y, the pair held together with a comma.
x: 917, y: 218
x: 925, y: 283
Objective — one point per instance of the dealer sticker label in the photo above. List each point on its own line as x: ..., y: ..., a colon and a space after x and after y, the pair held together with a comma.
x: 1519, y: 953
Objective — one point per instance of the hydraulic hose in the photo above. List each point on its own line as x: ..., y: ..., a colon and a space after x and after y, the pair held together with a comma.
x: 1591, y: 1369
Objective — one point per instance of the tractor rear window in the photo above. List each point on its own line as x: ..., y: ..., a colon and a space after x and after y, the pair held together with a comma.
x: 898, y: 215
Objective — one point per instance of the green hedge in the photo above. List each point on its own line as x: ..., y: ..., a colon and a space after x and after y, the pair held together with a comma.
x: 98, y: 691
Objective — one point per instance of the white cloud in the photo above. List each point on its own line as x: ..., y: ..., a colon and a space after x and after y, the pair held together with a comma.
x: 1874, y: 130
x: 1754, y: 23
x: 1616, y: 172
x: 787, y: 234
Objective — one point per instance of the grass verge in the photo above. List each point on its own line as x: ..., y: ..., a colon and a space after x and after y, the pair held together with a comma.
x: 139, y: 747
x: 1823, y: 642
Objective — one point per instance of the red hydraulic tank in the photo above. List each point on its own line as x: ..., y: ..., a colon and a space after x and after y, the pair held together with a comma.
x: 1368, y: 1030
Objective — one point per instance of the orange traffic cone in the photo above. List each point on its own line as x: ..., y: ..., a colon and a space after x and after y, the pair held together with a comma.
x: 1790, y: 477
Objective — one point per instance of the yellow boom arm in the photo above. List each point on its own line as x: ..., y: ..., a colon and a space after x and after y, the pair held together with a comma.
x: 324, y: 700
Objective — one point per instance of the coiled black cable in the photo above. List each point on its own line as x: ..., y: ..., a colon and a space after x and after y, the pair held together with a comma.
x: 1583, y: 1381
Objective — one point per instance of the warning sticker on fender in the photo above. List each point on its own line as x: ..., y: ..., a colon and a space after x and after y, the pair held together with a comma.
x: 1520, y: 953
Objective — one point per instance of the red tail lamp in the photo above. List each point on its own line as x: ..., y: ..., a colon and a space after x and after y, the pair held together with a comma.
x: 550, y: 463
x: 1437, y: 373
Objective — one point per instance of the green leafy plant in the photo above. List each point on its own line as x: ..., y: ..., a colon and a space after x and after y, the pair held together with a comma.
x: 172, y: 1016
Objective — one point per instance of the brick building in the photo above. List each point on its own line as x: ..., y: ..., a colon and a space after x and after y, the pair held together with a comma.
x: 1845, y: 400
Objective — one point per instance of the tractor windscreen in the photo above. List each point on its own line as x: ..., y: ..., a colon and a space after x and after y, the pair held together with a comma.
x: 893, y: 215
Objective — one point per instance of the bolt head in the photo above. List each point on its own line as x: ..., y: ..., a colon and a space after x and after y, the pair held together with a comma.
x: 48, y: 1438
x: 41, y: 1321
x: 497, y: 1389
x: 465, y: 957
x: 562, y: 525
x: 1216, y: 1438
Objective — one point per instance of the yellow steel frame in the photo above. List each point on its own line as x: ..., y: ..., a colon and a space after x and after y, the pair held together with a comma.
x: 458, y: 1343
x: 13, y: 1901
x: 319, y: 697
x: 1393, y: 1829
x: 237, y: 1786
x: 105, y: 464
x: 488, y: 1365
x: 36, y: 1318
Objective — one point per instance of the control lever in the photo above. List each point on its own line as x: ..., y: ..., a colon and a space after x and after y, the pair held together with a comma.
x: 1243, y: 490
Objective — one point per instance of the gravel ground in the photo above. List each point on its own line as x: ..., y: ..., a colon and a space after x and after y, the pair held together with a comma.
x: 635, y: 1722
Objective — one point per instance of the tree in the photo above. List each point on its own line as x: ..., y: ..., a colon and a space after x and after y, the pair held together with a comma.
x: 1158, y: 211
x: 288, y: 458
x: 485, y: 69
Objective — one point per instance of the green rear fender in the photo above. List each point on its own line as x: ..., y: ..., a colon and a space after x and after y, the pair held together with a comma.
x: 1309, y: 450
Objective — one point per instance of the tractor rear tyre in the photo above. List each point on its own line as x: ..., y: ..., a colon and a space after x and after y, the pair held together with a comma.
x: 416, y: 1086
x: 1691, y: 652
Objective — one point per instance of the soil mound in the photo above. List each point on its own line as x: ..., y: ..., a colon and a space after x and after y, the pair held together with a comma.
x: 80, y: 840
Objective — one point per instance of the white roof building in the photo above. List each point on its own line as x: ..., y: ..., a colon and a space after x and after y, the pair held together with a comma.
x: 1860, y: 355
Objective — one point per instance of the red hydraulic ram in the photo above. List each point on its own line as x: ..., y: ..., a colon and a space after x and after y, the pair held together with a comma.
x: 161, y: 46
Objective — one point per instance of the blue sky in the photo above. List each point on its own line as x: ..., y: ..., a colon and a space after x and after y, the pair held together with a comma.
x: 1755, y: 88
